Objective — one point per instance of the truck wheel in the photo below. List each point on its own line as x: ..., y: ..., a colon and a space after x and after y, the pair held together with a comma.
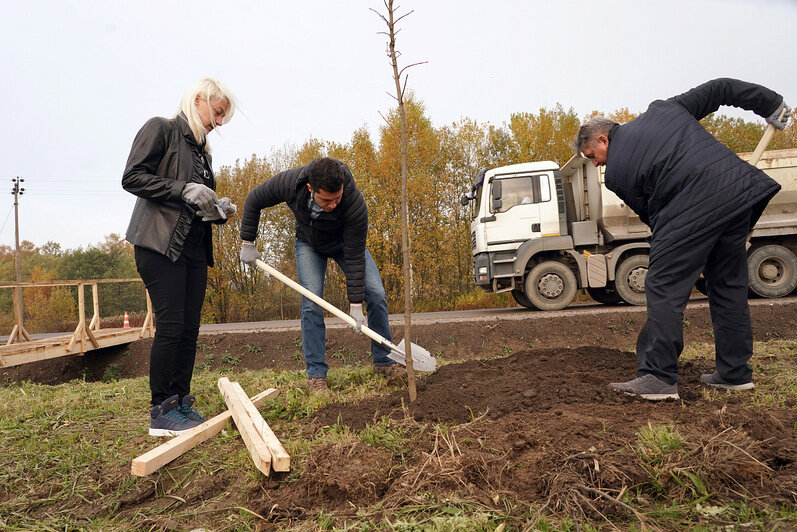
x: 521, y: 299
x: 772, y: 271
x: 551, y: 286
x: 606, y: 295
x: 629, y: 280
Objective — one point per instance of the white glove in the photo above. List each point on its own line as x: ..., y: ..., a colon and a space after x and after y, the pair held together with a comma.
x: 780, y: 121
x: 356, y: 312
x: 201, y: 196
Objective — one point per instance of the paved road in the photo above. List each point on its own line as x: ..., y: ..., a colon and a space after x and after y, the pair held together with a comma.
x: 427, y: 318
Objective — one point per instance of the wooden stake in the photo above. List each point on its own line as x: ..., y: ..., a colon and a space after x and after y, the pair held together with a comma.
x: 161, y: 455
x: 280, y: 459
x: 255, y: 443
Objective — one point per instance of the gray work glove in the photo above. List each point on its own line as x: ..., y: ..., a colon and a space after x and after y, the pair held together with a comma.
x: 201, y: 196
x: 212, y: 215
x: 225, y: 207
x: 780, y: 121
x: 356, y: 312
x: 249, y: 253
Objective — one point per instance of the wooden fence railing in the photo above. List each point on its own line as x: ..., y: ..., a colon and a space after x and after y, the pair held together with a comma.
x: 82, y: 332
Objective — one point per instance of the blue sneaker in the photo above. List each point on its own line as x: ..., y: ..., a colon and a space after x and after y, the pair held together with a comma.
x: 187, y: 409
x: 167, y: 420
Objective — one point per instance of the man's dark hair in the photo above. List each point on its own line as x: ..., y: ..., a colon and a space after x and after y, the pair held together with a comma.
x: 597, y: 126
x: 325, y: 174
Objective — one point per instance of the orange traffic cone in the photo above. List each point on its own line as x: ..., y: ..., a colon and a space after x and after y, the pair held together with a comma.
x: 127, y: 321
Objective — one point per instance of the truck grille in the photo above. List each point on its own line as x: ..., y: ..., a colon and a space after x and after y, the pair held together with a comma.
x: 473, y: 240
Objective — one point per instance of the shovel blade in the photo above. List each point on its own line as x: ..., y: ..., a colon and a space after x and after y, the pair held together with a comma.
x: 422, y: 360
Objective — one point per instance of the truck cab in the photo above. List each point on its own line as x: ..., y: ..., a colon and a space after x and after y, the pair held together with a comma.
x: 543, y: 232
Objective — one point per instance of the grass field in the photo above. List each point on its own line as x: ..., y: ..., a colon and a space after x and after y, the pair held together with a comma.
x: 67, y: 449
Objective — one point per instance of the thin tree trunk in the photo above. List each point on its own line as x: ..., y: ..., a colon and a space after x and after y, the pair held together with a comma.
x: 405, y: 247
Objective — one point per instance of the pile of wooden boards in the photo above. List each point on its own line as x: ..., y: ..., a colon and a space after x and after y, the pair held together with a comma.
x: 266, y: 450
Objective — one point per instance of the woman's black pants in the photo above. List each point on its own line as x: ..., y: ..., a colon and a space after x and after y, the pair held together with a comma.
x: 177, y: 290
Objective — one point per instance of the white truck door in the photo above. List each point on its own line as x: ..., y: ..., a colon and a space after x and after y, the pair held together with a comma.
x: 515, y: 204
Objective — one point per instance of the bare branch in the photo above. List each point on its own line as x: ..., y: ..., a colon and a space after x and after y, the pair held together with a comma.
x: 402, y: 16
x: 391, y: 126
x: 412, y: 65
x: 380, y: 15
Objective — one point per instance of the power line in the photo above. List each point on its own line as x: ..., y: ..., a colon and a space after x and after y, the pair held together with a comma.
x: 6, y: 220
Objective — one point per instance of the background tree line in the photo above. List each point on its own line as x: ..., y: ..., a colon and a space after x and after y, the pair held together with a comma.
x: 443, y: 162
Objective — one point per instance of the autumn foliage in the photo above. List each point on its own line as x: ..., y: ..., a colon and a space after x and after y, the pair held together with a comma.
x: 442, y: 163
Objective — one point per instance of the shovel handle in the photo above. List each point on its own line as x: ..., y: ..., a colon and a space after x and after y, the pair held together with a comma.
x: 769, y: 132
x: 370, y: 333
x: 762, y: 145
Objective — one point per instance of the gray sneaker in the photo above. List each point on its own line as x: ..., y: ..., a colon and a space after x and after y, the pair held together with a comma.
x: 187, y: 409
x: 167, y: 420
x: 714, y: 379
x: 647, y: 387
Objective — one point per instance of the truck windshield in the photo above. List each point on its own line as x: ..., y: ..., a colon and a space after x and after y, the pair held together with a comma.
x: 523, y: 190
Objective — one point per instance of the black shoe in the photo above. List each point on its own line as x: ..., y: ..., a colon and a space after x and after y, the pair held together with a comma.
x: 187, y: 409
x: 167, y: 420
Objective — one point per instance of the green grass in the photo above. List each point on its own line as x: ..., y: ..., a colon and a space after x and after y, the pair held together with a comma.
x: 773, y: 373
x: 66, y: 453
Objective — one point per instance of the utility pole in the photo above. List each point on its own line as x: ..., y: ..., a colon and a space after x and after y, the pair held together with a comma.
x: 18, y: 333
x: 17, y: 192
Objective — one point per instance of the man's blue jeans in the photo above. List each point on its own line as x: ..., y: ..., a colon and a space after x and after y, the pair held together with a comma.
x: 312, y: 267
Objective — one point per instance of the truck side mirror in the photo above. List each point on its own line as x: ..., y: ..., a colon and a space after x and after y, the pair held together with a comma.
x: 464, y: 200
x: 496, y: 190
x: 495, y: 193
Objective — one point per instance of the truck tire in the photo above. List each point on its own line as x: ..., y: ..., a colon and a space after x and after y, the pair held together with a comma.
x: 521, y: 299
x: 772, y: 270
x: 629, y: 279
x: 551, y: 285
x: 607, y: 295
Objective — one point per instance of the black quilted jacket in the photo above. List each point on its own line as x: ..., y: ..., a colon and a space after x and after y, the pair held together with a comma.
x: 344, y: 229
x: 680, y: 180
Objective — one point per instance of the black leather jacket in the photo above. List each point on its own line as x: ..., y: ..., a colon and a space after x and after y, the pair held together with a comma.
x: 164, y: 157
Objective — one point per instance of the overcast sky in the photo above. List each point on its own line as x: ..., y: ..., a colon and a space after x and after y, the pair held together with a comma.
x: 81, y: 77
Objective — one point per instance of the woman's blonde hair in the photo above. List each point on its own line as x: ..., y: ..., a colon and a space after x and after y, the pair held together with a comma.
x: 207, y: 89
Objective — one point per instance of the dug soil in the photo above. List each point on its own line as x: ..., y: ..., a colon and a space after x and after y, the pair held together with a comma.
x: 519, y: 410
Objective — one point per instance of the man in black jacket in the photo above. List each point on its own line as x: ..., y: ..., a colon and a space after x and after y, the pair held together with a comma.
x: 331, y: 222
x: 700, y: 200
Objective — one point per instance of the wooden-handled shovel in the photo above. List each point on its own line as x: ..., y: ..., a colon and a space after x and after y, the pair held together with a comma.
x: 422, y: 360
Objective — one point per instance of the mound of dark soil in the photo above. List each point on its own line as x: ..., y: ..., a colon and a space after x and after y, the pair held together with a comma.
x: 543, y: 427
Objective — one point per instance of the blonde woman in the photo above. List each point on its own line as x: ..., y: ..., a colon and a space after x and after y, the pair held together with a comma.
x: 169, y: 169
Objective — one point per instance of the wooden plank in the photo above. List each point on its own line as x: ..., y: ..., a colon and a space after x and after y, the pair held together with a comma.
x: 161, y: 455
x: 45, y: 349
x: 13, y: 334
x: 280, y: 459
x: 257, y: 447
x: 67, y: 282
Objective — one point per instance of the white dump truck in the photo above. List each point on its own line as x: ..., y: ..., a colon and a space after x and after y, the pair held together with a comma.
x: 544, y: 232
